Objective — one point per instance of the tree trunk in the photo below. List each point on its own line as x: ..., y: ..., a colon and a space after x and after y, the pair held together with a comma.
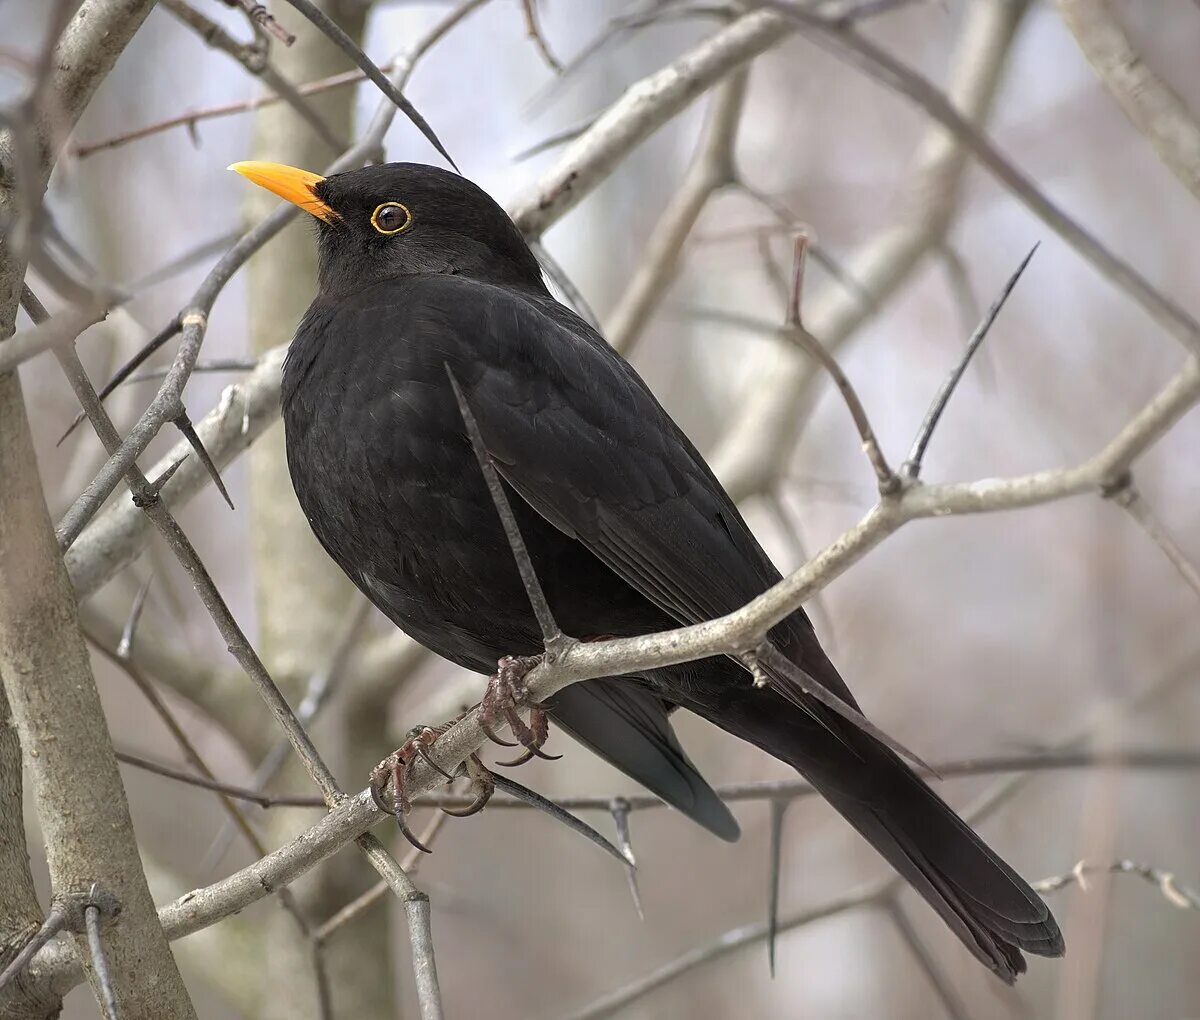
x: 301, y: 596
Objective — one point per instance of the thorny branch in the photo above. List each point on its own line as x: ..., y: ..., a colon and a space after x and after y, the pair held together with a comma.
x: 727, y: 635
x: 782, y: 790
x: 585, y: 163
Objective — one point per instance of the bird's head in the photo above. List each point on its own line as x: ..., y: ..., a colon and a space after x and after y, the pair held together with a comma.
x: 397, y: 219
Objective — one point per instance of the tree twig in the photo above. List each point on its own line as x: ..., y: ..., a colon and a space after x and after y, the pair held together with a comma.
x: 1173, y: 891
x: 1148, y: 101
x: 1126, y: 495
x: 888, y: 481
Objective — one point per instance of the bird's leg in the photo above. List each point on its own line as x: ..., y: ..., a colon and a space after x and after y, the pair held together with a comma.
x: 394, y: 770
x: 505, y: 691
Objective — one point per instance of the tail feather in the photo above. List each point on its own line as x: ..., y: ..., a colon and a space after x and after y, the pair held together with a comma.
x: 992, y: 910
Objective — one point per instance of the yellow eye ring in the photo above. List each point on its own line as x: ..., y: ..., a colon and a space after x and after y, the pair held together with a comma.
x: 405, y: 223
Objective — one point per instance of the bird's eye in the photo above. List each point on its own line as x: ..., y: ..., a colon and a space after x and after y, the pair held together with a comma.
x: 391, y: 218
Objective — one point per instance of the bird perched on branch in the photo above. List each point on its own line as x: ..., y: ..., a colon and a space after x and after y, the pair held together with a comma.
x: 424, y: 282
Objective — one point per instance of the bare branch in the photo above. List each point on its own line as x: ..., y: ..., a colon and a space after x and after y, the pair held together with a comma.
x: 385, y: 85
x: 262, y: 18
x: 44, y: 664
x: 62, y: 328
x: 253, y: 57
x: 730, y: 941
x: 534, y: 31
x: 882, y: 66
x: 55, y: 922
x: 758, y: 446
x: 711, y: 169
x: 193, y: 318
x: 887, y: 480
x: 1174, y: 892
x: 1148, y: 101
x: 1126, y: 495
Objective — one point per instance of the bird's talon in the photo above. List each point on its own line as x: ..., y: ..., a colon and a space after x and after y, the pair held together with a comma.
x: 393, y: 770
x: 481, y: 780
x: 505, y: 692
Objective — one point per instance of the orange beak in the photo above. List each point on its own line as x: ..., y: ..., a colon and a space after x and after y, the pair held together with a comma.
x: 289, y: 183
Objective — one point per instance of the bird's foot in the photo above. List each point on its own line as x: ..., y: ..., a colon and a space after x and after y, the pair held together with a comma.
x: 506, y: 691
x: 394, y: 770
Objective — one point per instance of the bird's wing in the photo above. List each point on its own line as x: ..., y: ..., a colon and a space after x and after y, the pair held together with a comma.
x: 628, y: 726
x: 579, y: 436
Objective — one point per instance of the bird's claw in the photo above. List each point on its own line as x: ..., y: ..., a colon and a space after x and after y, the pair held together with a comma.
x: 393, y: 771
x: 483, y: 784
x: 505, y: 691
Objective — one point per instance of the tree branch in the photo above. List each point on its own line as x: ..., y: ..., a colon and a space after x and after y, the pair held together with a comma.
x: 711, y: 169
x: 1148, y: 101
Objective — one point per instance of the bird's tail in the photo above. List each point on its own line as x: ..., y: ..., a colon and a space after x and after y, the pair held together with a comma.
x: 986, y: 904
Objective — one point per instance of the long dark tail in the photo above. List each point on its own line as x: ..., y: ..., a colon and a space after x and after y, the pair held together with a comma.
x: 987, y: 905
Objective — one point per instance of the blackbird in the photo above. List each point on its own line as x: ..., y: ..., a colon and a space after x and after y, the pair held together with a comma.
x: 422, y: 275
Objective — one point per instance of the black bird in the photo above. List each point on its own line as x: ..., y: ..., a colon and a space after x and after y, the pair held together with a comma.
x: 629, y: 530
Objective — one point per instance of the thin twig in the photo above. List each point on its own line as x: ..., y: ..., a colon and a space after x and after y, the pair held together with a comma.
x: 888, y: 482
x: 253, y: 57
x: 55, y: 922
x: 1129, y: 499
x: 1175, y: 893
x: 264, y: 800
x: 356, y: 906
x: 877, y: 63
x: 911, y: 468
x: 730, y: 793
x: 193, y: 319
x: 262, y: 18
x: 348, y: 46
x: 534, y: 31
x: 320, y: 686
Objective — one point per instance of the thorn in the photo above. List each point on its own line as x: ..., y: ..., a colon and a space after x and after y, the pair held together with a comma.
x: 150, y: 493
x: 911, y: 468
x: 544, y: 804
x: 184, y: 424
x: 775, y: 855
x: 125, y: 645
x: 619, y: 807
x: 92, y: 916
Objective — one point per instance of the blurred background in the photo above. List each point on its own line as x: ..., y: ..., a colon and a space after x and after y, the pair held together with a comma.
x: 985, y: 635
